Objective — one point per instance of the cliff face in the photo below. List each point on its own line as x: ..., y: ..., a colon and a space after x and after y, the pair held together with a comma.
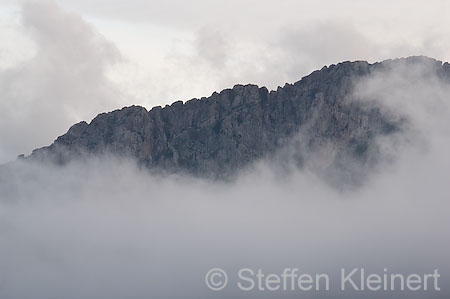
x: 218, y: 135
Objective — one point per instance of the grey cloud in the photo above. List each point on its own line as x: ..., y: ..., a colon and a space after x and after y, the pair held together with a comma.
x: 107, y: 229
x: 311, y: 46
x: 223, y: 57
x: 179, y: 14
x: 65, y: 81
x: 212, y: 46
x: 284, y: 57
x: 267, y: 43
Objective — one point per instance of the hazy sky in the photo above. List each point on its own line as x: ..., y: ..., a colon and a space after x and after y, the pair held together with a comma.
x: 63, y: 61
x: 106, y: 229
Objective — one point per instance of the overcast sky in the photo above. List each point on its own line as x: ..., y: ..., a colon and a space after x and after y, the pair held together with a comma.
x: 103, y: 228
x: 63, y: 61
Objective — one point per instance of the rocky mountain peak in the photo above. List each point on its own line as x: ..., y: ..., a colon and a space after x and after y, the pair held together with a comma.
x: 218, y: 135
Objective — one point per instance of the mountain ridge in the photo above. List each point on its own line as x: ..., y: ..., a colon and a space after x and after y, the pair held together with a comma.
x: 217, y: 135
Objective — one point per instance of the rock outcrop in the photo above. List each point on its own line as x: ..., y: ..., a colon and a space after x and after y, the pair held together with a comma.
x: 215, y: 136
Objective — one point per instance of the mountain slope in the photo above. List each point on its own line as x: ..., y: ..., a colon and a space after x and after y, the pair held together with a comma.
x: 218, y: 135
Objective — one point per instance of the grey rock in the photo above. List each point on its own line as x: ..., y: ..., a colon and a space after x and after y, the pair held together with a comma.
x: 221, y: 134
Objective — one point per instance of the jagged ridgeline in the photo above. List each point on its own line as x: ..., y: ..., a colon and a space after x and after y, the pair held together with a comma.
x: 221, y: 134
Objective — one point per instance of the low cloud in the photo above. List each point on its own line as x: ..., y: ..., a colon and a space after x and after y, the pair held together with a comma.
x: 64, y: 82
x: 107, y: 229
